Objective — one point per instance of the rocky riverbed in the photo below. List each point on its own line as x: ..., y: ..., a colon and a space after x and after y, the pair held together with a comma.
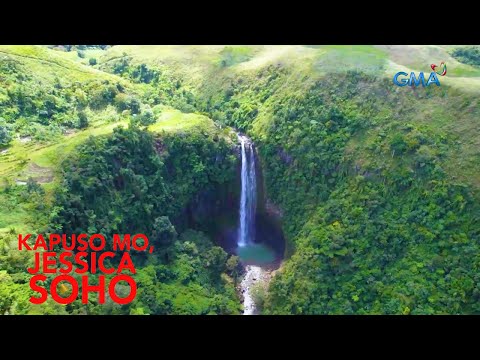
x: 253, y: 275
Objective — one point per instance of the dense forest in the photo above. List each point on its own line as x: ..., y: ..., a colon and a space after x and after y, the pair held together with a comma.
x: 377, y: 185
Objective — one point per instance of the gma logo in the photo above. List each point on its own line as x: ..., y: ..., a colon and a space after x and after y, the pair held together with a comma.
x: 412, y: 80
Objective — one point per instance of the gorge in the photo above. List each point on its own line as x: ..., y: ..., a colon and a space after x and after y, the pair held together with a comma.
x: 256, y: 256
x: 374, y: 187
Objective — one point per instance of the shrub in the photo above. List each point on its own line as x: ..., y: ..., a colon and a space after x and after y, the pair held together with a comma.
x: 81, y: 98
x: 146, y: 117
x: 468, y: 55
x: 5, y: 136
x: 143, y: 74
x: 121, y: 102
x: 121, y: 65
x: 34, y: 186
x: 92, y: 61
x: 127, y: 102
x: 82, y: 121
x: 258, y: 294
x: 103, y: 95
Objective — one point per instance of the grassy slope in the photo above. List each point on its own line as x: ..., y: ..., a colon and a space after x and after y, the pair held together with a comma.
x: 200, y: 60
x: 453, y: 110
x: 41, y: 161
x: 419, y: 58
x: 21, y: 156
x: 46, y: 65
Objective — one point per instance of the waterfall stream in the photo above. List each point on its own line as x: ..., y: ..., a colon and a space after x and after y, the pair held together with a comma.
x: 246, y: 229
x: 257, y: 255
x: 248, y: 196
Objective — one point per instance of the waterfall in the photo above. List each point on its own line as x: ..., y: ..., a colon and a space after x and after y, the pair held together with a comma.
x: 248, y: 196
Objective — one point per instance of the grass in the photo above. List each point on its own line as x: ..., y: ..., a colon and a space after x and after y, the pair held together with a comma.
x: 89, y: 53
x: 339, y: 58
x: 13, y: 215
x: 199, y: 59
x: 419, y: 58
x: 53, y: 155
x: 47, y: 65
x: 232, y: 55
x: 172, y: 120
x: 20, y: 155
x: 197, y: 62
x: 165, y: 53
x: 454, y: 112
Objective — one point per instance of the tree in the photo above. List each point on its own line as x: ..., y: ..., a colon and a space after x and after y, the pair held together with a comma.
x: 259, y: 295
x: 468, y: 55
x: 138, y: 311
x: 163, y: 230
x: 5, y: 136
x: 398, y: 144
x: 49, y: 307
x: 233, y: 267
x: 127, y: 102
x: 134, y: 105
x: 215, y: 260
x: 34, y: 186
x: 7, y: 295
x: 146, y: 117
x: 92, y: 61
x: 82, y: 122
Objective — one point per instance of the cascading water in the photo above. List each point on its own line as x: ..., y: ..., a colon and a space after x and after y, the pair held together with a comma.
x: 248, y: 196
x: 251, y: 252
x: 246, y: 229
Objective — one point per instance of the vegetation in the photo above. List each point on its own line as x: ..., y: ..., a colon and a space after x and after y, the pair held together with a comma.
x: 376, y: 224
x: 467, y: 54
x: 367, y: 189
x: 378, y: 185
x: 145, y: 182
x: 232, y: 55
x: 121, y: 184
x: 5, y: 134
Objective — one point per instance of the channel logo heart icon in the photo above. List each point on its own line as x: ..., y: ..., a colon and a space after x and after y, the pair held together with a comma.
x: 442, y: 66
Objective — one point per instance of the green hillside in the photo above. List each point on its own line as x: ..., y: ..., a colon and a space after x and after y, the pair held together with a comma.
x: 49, y: 144
x: 378, y: 185
x: 452, y: 108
